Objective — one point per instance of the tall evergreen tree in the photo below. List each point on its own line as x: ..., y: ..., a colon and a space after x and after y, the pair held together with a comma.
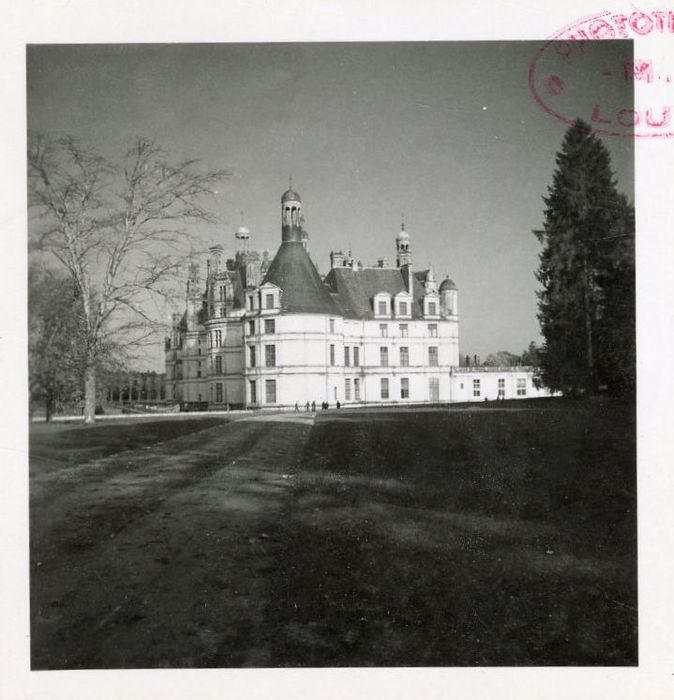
x: 586, y: 304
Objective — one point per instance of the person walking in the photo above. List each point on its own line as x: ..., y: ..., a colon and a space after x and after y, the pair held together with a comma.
x: 313, y: 407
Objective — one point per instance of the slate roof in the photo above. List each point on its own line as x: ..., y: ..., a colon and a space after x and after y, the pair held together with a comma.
x: 303, y: 290
x: 447, y: 284
x: 356, y: 288
x: 290, y: 196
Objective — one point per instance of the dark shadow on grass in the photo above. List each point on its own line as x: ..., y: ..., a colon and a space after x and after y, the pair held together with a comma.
x: 506, y: 538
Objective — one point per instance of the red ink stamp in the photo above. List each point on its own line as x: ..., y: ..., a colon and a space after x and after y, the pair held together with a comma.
x: 572, y: 56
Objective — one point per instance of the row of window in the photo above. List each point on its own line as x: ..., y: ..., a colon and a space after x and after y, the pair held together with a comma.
x: 404, y: 309
x: 405, y: 356
x: 433, y: 388
x: 268, y: 302
x: 350, y: 353
x: 404, y: 330
x: 383, y: 356
x: 269, y: 356
x: 269, y: 391
x: 351, y: 389
x: 520, y: 388
x: 269, y: 326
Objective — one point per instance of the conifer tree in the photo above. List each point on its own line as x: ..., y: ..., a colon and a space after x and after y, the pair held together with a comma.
x: 586, y: 304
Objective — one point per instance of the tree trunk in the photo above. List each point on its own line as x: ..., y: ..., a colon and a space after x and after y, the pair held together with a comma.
x: 588, y: 323
x: 48, y: 406
x: 90, y: 394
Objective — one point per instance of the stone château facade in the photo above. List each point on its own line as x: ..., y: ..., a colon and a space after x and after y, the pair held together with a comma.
x: 261, y: 333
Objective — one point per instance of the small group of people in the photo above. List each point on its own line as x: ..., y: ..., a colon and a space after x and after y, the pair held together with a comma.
x: 312, y: 406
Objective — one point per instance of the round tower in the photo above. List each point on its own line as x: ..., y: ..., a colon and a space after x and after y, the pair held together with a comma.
x: 291, y: 216
x: 449, y: 298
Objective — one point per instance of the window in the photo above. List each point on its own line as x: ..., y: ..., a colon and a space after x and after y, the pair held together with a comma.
x: 252, y: 356
x: 218, y: 364
x: 521, y: 387
x: 434, y: 388
x: 501, y: 388
x: 403, y: 330
x: 251, y: 327
x: 223, y: 311
x: 332, y: 355
x: 270, y: 390
x: 356, y: 357
x: 332, y: 325
x: 251, y: 302
x: 404, y: 388
x: 218, y: 393
x: 270, y: 325
x: 253, y: 391
x: 381, y: 308
x: 404, y: 356
x: 383, y: 357
x: 222, y: 293
x: 476, y: 387
x: 270, y: 356
x: 402, y: 308
x: 347, y: 390
x: 383, y: 330
x: 432, y: 306
x: 433, y: 356
x: 433, y: 330
x: 356, y: 389
x: 384, y: 387
x: 269, y: 301
x: 347, y: 356
x: 218, y: 339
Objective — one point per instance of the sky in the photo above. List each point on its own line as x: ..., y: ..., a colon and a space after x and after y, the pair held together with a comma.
x: 446, y: 132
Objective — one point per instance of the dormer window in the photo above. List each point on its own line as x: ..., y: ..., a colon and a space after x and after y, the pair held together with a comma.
x: 382, y: 305
x: 270, y: 297
x: 431, y: 305
x: 403, y: 304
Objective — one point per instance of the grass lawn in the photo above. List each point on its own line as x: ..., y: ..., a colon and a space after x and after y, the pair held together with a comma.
x: 502, y: 534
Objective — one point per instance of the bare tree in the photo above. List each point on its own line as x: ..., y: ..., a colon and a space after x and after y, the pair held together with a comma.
x: 118, y: 231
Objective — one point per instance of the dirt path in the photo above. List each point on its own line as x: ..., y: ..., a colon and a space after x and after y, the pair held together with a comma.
x: 161, y: 556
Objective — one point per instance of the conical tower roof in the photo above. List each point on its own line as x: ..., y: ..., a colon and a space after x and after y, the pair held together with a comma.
x: 303, y: 290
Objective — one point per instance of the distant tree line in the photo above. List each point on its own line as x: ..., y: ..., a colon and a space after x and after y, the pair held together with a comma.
x: 529, y: 357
